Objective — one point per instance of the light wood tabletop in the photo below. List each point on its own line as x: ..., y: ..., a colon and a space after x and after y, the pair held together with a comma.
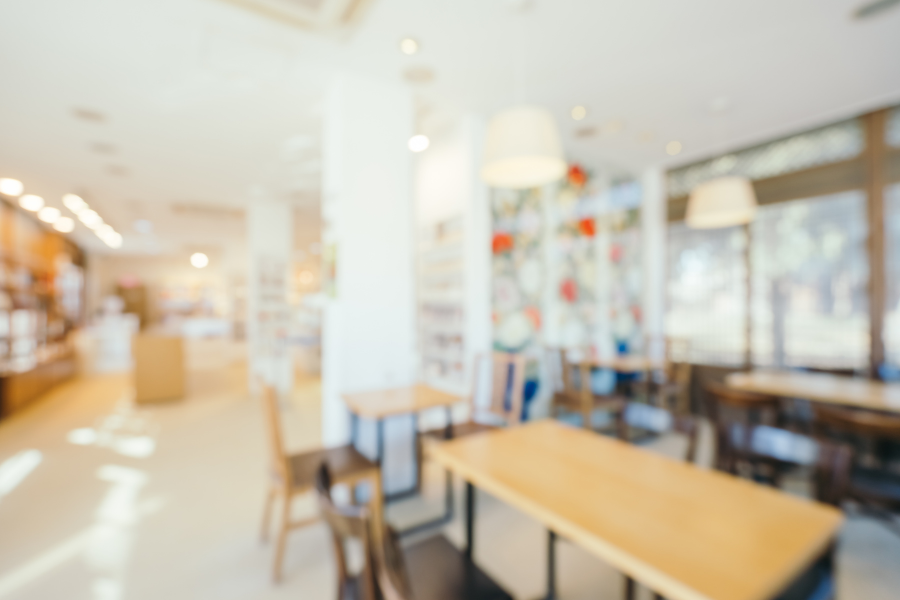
x: 398, y: 401
x: 627, y: 364
x: 854, y: 392
x: 686, y: 532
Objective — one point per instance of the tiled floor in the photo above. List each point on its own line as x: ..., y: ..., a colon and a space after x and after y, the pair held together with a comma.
x: 106, y: 519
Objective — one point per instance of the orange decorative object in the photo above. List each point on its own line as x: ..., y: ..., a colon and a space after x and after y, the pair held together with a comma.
x: 502, y: 242
x: 587, y: 227
x: 569, y: 290
x: 577, y: 176
x: 534, y: 315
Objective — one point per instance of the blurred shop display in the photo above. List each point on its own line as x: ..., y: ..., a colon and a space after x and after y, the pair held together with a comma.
x: 41, y: 301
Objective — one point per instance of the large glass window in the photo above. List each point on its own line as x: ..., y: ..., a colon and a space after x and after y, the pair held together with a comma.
x: 892, y: 270
x: 707, y: 293
x: 809, y: 283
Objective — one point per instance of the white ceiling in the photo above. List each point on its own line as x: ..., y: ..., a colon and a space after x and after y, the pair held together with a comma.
x: 203, y: 99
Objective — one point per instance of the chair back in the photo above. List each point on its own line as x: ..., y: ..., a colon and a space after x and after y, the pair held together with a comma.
x: 780, y: 448
x: 280, y: 463
x: 506, y: 389
x: 744, y: 406
x: 863, y: 423
x: 382, y: 575
x: 638, y: 415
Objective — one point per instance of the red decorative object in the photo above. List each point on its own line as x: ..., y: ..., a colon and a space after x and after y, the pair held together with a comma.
x: 577, y: 176
x: 587, y: 227
x: 569, y: 290
x: 534, y: 315
x: 502, y: 242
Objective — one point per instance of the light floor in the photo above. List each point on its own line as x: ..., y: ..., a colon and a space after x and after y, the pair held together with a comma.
x: 106, y: 519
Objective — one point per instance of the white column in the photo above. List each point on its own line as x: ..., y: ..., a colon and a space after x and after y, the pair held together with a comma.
x: 368, y: 330
x: 269, y: 246
x: 653, y: 234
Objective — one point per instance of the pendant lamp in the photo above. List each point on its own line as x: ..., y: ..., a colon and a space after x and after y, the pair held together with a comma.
x: 522, y: 149
x: 722, y: 202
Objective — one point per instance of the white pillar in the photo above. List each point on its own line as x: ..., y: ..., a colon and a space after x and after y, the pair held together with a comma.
x: 653, y: 234
x: 269, y: 245
x: 368, y: 330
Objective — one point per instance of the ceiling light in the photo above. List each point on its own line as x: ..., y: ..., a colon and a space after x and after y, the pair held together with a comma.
x: 722, y: 202
x: 113, y: 240
x: 49, y: 214
x: 90, y: 218
x: 409, y: 46
x: 579, y: 112
x: 522, y: 149
x: 74, y: 203
x: 11, y: 187
x: 143, y: 226
x: 103, y: 230
x: 199, y: 260
x: 31, y: 202
x: 64, y: 224
x: 418, y: 143
x: 673, y: 148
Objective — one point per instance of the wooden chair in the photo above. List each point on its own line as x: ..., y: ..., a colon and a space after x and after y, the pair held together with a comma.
x: 294, y: 474
x: 727, y: 405
x: 432, y: 569
x: 874, y: 486
x: 578, y: 398
x: 672, y: 390
x: 644, y: 417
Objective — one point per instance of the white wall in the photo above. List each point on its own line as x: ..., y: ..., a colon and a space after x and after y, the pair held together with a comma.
x: 369, y: 326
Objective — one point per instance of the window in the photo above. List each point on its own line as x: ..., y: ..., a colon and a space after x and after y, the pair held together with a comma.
x: 809, y: 283
x: 707, y: 292
x: 892, y: 269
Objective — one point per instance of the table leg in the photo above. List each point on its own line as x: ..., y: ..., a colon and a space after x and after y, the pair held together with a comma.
x: 379, y: 441
x: 470, y: 520
x: 551, y: 565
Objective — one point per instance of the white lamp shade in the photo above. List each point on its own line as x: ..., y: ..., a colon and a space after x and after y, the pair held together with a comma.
x: 722, y: 202
x: 522, y: 149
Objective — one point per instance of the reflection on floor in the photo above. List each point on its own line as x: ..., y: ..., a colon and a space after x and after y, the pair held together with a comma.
x: 103, y: 502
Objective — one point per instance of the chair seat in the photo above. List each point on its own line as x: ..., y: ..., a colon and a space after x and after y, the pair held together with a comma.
x: 439, y: 571
x: 882, y: 487
x: 344, y: 462
x: 458, y: 430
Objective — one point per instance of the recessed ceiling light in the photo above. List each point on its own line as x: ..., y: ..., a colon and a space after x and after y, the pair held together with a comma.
x: 49, y: 214
x: 579, y: 112
x: 64, y: 224
x: 74, y: 203
x: 11, y: 187
x: 199, y: 260
x: 113, y: 240
x: 673, y: 148
x: 409, y: 46
x: 143, y: 226
x: 418, y: 143
x: 31, y: 202
x: 88, y: 114
x: 90, y: 218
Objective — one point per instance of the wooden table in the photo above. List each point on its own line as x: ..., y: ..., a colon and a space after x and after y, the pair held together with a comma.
x: 627, y: 363
x: 685, y: 532
x: 854, y: 392
x: 381, y: 404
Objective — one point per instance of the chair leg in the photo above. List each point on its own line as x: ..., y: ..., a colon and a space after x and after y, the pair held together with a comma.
x: 282, y: 537
x: 629, y: 588
x: 267, y: 514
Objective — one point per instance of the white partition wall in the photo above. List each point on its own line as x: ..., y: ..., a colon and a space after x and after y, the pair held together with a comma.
x: 368, y: 329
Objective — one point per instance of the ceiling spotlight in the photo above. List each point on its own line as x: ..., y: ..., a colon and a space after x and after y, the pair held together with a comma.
x: 90, y: 218
x: 74, y: 203
x: 49, y: 214
x: 579, y: 112
x: 113, y: 240
x: 103, y: 230
x: 409, y: 46
x: 673, y: 148
x: 31, y: 202
x: 11, y: 187
x: 418, y: 143
x: 64, y: 225
x: 199, y: 260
